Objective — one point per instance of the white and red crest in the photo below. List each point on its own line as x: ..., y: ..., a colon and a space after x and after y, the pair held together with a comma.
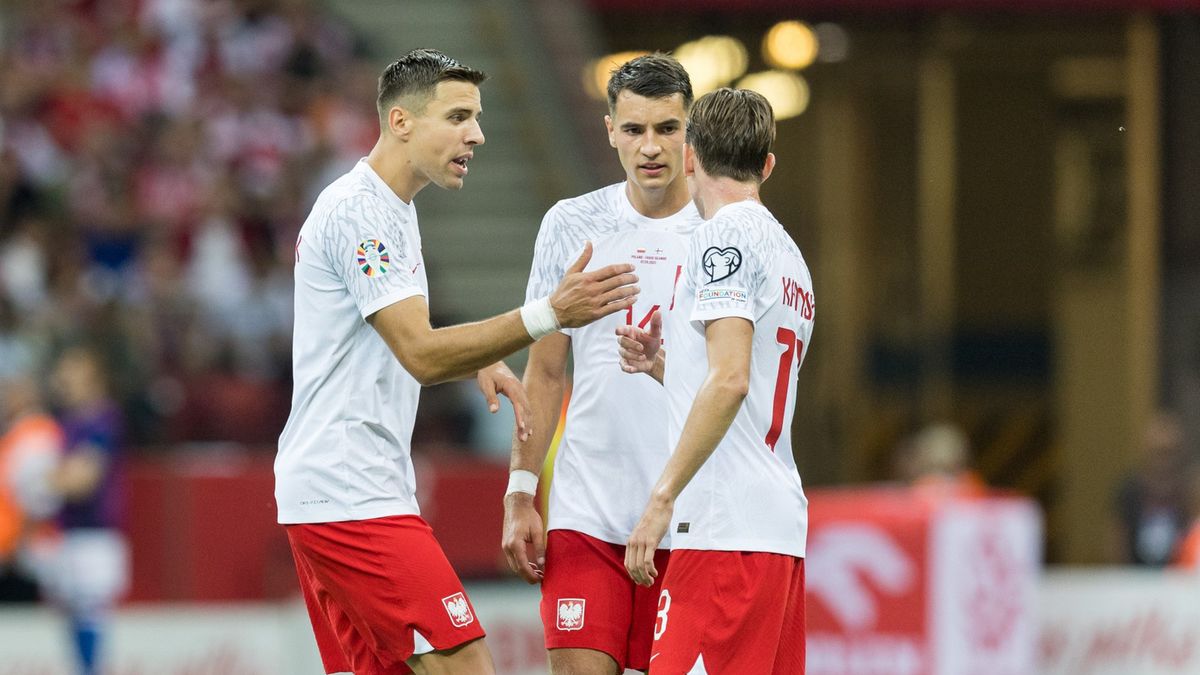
x: 458, y: 609
x: 570, y: 613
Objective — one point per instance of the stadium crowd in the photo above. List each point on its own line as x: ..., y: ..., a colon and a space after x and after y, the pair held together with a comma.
x: 156, y: 160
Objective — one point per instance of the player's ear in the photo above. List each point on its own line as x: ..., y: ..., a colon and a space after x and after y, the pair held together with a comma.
x: 399, y: 122
x: 689, y: 160
x: 768, y: 167
x: 612, y: 134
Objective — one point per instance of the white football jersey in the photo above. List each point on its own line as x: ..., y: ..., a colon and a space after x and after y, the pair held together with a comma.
x: 614, y: 444
x: 345, y: 452
x: 747, y: 496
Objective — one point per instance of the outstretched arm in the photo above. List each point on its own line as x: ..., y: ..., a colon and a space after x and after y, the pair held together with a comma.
x: 728, y: 342
x: 524, y: 540
x: 437, y: 355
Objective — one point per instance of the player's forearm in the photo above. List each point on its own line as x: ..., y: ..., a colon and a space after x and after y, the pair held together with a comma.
x: 545, y: 393
x: 712, y: 413
x: 459, y: 351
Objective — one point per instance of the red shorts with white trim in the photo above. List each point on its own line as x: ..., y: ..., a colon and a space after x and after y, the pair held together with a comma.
x: 379, y: 591
x: 589, y: 601
x: 730, y: 613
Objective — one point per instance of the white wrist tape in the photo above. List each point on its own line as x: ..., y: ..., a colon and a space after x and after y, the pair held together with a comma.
x: 521, y: 480
x: 539, y: 318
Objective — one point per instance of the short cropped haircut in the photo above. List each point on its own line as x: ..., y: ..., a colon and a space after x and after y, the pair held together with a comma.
x: 653, y: 76
x: 417, y: 74
x: 731, y: 131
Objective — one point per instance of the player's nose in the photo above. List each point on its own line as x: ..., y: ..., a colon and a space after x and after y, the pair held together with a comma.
x: 475, y: 135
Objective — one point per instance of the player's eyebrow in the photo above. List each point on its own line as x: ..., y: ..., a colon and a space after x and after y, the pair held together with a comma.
x: 631, y: 125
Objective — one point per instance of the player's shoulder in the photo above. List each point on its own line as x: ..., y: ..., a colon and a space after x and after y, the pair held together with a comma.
x: 746, y: 221
x: 750, y: 226
x: 353, y: 196
x: 589, y: 214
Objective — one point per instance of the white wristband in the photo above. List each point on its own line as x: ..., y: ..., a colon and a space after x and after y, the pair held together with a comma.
x: 520, y: 480
x: 539, y: 318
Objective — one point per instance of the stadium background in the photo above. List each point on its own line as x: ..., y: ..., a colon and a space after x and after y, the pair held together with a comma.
x: 997, y: 201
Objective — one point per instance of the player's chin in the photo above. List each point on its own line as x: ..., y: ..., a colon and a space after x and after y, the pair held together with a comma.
x: 653, y: 182
x: 452, y: 182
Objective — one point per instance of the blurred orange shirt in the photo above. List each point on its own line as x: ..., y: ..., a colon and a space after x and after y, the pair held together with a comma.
x: 36, y: 433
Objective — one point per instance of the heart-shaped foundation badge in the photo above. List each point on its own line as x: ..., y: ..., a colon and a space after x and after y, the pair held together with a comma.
x: 721, y: 263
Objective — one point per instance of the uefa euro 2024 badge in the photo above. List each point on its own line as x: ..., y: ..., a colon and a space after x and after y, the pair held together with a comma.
x: 373, y: 257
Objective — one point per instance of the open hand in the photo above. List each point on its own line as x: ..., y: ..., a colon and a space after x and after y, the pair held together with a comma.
x: 582, y: 297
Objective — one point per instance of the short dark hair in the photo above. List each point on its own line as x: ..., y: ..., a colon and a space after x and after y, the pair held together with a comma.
x: 656, y: 75
x: 418, y: 73
x: 731, y: 131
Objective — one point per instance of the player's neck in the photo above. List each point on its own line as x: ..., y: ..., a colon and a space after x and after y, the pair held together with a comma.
x: 716, y: 193
x: 658, y: 203
x: 392, y: 165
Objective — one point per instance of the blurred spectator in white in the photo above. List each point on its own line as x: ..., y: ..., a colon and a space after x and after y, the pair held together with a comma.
x: 1152, y: 509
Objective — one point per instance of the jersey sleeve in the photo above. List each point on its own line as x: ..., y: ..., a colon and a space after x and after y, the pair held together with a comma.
x: 366, y: 248
x: 553, y: 251
x: 550, y: 253
x: 727, y: 268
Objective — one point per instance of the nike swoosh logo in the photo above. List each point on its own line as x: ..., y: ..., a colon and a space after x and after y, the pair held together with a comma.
x: 654, y: 656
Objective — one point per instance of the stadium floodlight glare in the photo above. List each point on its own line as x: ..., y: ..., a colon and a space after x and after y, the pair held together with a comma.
x: 787, y: 92
x: 791, y: 45
x: 713, y: 61
x: 598, y: 71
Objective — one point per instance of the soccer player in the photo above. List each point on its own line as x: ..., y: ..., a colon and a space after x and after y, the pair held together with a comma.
x: 732, y: 598
x: 380, y: 593
x: 597, y: 621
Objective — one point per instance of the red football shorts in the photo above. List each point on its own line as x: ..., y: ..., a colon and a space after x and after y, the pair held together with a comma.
x: 589, y: 601
x: 736, y: 613
x: 379, y: 591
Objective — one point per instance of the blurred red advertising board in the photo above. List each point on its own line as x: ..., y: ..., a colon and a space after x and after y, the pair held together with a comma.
x: 903, y: 584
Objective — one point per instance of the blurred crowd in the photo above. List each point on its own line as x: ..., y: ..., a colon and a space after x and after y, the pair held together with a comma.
x: 157, y: 158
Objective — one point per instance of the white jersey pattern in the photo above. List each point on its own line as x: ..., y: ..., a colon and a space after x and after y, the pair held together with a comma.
x: 614, y: 445
x: 345, y: 451
x: 747, y: 496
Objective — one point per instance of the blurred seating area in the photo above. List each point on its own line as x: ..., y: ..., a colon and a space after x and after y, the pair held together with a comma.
x: 156, y: 160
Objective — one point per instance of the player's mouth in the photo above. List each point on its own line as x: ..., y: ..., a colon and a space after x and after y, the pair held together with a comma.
x: 460, y: 163
x: 653, y: 169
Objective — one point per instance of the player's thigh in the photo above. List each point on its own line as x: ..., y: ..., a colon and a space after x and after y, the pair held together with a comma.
x: 393, y: 582
x: 583, y: 662
x: 472, y: 658
x: 587, y: 597
x: 792, y: 653
x: 725, y: 609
